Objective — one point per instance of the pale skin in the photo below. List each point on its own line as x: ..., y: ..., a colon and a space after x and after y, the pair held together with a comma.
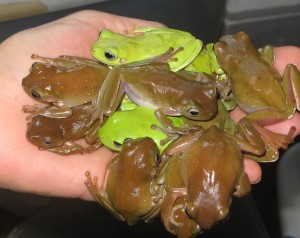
x: 23, y: 167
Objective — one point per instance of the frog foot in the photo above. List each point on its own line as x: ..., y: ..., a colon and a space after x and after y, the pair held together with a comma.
x: 172, y: 132
x: 91, y: 184
x: 276, y: 140
x: 96, y: 145
x: 172, y: 216
x: 168, y: 56
x: 50, y: 111
x: 68, y: 148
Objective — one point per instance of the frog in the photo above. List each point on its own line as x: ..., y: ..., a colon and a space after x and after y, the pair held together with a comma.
x: 249, y: 70
x: 130, y: 192
x: 64, y: 82
x: 142, y: 43
x: 118, y: 127
x: 58, y: 135
x: 150, y: 84
x: 214, y: 159
x: 258, y: 88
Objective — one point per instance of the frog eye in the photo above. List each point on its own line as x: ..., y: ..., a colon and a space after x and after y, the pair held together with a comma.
x: 117, y: 144
x: 109, y: 55
x: 35, y: 94
x: 193, y: 112
x: 157, y: 159
x: 127, y: 140
x: 186, y: 210
x: 47, y: 141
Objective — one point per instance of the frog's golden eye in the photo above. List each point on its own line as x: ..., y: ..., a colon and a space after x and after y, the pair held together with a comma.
x: 109, y: 55
x: 193, y: 112
x: 35, y: 94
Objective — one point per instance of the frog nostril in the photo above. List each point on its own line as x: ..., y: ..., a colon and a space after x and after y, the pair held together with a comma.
x: 35, y: 94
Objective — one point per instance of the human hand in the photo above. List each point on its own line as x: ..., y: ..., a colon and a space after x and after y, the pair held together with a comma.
x: 23, y: 167
x: 283, y: 56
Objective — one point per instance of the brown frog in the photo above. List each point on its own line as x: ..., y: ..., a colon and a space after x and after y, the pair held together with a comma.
x: 257, y: 87
x: 58, y: 134
x: 210, y: 164
x: 65, y: 82
x: 151, y: 84
x: 131, y: 193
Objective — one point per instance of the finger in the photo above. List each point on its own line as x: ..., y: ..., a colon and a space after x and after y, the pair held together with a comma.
x: 253, y: 170
x: 285, y: 55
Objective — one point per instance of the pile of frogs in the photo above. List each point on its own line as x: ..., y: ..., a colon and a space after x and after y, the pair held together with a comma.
x: 165, y: 109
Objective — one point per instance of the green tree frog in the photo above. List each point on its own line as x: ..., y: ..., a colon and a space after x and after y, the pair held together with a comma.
x: 114, y: 49
x: 132, y: 122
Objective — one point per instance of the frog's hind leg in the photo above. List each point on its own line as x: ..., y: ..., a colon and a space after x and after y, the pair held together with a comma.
x: 100, y: 195
x: 276, y: 140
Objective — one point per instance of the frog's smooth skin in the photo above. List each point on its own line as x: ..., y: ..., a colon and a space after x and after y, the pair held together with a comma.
x: 157, y: 88
x: 210, y: 164
x: 221, y: 120
x: 206, y: 61
x: 58, y: 134
x: 134, y: 123
x: 143, y: 43
x: 257, y: 87
x: 65, y: 82
x: 178, y: 222
x: 131, y: 193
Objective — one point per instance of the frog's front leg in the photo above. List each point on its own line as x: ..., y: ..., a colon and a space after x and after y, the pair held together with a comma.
x: 261, y: 142
x: 50, y: 111
x: 110, y: 95
x: 67, y: 148
x: 100, y: 195
x: 92, y: 137
x: 167, y: 207
x: 167, y: 125
x: 67, y: 62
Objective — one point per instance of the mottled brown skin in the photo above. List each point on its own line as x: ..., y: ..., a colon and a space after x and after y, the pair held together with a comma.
x: 131, y: 193
x: 211, y: 171
x: 65, y: 81
x: 58, y: 134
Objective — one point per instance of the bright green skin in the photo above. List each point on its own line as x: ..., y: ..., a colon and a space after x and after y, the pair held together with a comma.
x: 206, y: 62
x: 119, y: 127
x: 146, y: 43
